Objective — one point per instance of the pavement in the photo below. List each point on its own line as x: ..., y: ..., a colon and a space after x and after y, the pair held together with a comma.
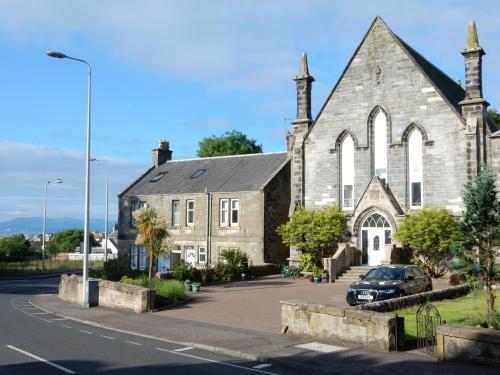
x: 268, y: 348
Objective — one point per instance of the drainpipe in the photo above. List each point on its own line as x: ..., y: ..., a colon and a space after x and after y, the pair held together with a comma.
x: 208, y: 233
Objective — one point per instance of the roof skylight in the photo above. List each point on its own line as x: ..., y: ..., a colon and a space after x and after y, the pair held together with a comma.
x: 198, y: 173
x: 158, y: 177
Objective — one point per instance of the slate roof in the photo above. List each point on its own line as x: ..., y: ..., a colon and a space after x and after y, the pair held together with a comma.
x: 448, y: 87
x: 222, y: 174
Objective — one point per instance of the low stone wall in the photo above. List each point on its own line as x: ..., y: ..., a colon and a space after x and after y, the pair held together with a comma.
x: 467, y: 344
x: 123, y: 296
x: 416, y: 299
x: 381, y: 331
x: 345, y: 257
x: 106, y: 293
x: 70, y: 289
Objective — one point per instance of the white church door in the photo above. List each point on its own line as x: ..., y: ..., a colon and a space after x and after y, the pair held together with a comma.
x: 375, y: 234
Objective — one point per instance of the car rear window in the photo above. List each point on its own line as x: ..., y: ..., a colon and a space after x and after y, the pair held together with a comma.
x: 385, y: 274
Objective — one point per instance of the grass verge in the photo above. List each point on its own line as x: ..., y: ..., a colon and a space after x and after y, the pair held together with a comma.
x: 469, y: 310
x: 34, y: 267
x: 171, y: 290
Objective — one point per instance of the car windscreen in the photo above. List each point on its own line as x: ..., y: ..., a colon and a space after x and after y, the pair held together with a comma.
x: 385, y: 274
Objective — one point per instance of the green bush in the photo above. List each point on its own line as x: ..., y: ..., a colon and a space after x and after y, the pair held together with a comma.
x: 234, y: 263
x: 317, y: 272
x: 308, y: 261
x: 171, y: 290
x: 183, y: 270
x: 115, y: 269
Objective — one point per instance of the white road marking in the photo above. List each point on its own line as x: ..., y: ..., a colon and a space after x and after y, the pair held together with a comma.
x: 60, y: 319
x: 29, y: 308
x: 263, y: 365
x: 66, y: 326
x: 40, y: 313
x: 107, y: 337
x: 220, y: 363
x: 319, y: 347
x: 87, y: 332
x: 66, y: 370
x: 25, y: 312
x: 183, y: 349
x: 132, y: 342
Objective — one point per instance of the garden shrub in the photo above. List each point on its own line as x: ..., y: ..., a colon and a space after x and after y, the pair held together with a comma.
x: 184, y: 270
x: 308, y: 261
x: 171, y: 290
x: 115, y: 269
x: 234, y: 263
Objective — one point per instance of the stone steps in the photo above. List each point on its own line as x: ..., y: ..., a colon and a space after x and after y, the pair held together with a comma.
x: 353, y: 273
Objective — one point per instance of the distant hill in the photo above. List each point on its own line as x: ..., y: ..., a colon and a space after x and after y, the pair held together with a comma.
x: 33, y: 225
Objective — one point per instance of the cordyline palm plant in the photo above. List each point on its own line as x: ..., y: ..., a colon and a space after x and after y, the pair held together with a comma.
x: 153, y: 234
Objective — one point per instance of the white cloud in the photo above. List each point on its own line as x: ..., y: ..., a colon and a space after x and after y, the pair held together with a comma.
x: 25, y: 169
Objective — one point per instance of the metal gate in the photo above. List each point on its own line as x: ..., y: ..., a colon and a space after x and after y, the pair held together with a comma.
x: 428, y: 318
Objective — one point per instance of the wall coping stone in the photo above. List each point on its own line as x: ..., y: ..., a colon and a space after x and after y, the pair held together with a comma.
x: 472, y: 333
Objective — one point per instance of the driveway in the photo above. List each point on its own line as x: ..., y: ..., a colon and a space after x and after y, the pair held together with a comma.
x: 256, y: 304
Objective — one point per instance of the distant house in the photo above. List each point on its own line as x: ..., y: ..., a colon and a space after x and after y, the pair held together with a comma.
x: 211, y: 204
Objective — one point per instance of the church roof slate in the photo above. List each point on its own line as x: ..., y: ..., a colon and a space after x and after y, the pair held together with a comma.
x: 249, y: 172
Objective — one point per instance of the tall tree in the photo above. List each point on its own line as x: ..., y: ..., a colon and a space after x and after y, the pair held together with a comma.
x: 429, y: 234
x: 495, y: 116
x: 315, y: 232
x: 230, y: 143
x: 67, y: 240
x: 153, y: 234
x: 16, y: 247
x: 481, y: 229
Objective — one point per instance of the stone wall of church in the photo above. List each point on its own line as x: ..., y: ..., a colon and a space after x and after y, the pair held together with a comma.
x: 382, y: 74
x: 495, y: 159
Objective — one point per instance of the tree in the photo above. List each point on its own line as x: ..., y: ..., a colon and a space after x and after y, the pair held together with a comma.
x: 153, y: 234
x: 495, y: 116
x: 480, y: 226
x: 430, y: 234
x: 16, y: 247
x: 230, y: 143
x: 315, y: 232
x: 67, y: 240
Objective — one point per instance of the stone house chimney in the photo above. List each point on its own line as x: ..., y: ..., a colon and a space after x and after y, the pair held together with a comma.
x: 162, y: 154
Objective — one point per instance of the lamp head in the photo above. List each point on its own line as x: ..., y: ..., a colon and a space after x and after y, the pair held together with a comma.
x: 58, y: 55
x: 59, y: 181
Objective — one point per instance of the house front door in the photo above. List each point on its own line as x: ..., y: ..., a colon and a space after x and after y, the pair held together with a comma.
x: 376, y: 233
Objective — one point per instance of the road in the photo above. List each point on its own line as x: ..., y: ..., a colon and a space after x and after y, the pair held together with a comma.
x: 34, y: 342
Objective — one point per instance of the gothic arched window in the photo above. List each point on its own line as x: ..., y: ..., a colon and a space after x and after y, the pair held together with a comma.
x: 415, y: 168
x: 347, y: 156
x: 380, y: 145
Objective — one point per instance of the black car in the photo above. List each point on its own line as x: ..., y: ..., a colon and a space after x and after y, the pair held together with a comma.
x: 390, y: 281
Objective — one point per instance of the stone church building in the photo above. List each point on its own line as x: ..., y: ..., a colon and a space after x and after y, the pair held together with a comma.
x: 395, y: 135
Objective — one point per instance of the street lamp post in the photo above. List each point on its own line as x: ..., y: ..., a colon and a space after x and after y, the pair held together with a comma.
x: 106, y: 210
x: 85, y: 289
x: 58, y: 181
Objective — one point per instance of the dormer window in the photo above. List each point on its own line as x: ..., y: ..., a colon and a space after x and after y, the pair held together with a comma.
x: 198, y: 173
x: 158, y: 177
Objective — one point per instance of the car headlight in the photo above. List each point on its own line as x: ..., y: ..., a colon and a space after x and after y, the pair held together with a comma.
x: 350, y: 290
x: 386, y: 291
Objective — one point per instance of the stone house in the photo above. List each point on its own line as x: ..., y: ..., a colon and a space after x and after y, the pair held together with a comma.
x: 211, y: 204
x: 395, y: 135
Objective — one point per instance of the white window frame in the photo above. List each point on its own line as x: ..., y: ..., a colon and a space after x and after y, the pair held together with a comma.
x: 380, y: 146
x: 224, y: 212
x: 202, y: 251
x: 142, y: 258
x: 237, y: 210
x: 176, y: 213
x: 186, y: 249
x: 135, y: 205
x: 133, y: 257
x: 415, y: 165
x: 347, y: 170
x: 189, y: 211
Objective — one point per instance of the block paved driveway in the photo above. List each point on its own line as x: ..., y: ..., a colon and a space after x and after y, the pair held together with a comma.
x: 256, y: 304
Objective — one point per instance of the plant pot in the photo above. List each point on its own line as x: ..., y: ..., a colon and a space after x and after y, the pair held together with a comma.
x: 195, y: 288
x: 243, y: 276
x: 317, y: 280
x: 310, y: 278
x: 187, y: 287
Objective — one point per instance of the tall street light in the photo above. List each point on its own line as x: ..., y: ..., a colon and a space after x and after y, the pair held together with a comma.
x: 85, y: 289
x: 58, y: 181
x: 106, y: 213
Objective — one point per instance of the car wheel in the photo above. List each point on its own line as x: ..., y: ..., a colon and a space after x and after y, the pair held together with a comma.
x: 402, y: 294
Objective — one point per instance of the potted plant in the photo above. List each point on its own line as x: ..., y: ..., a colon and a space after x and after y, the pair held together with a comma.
x: 187, y: 285
x: 195, y: 287
x: 317, y: 272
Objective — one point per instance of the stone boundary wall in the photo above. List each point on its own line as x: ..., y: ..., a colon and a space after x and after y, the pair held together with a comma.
x: 345, y: 257
x: 106, y: 293
x: 416, y: 299
x: 467, y: 344
x: 381, y: 331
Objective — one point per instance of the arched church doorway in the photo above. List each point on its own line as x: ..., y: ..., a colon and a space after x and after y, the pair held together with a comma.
x: 375, y: 234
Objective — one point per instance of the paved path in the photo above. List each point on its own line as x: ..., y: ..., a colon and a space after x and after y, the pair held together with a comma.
x: 253, y: 346
x: 256, y: 304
